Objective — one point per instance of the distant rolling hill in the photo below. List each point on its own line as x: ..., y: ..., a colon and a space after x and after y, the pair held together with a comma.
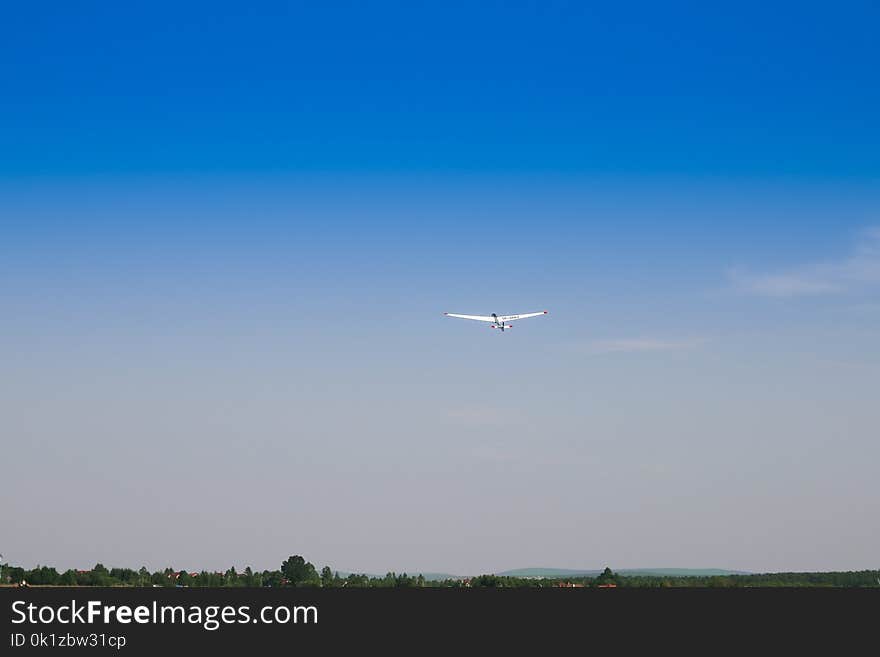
x: 568, y: 572
x: 431, y: 577
x: 437, y: 577
x: 648, y: 572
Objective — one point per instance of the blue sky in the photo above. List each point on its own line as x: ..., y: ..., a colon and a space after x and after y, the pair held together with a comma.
x: 228, y: 235
x: 636, y: 87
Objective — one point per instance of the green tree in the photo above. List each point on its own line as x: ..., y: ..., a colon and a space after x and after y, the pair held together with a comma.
x: 326, y: 576
x: 14, y: 574
x: 607, y: 577
x: 357, y: 581
x: 271, y: 578
x: 299, y: 572
x: 487, y: 581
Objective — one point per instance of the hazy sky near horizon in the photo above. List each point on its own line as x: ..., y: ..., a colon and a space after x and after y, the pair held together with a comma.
x: 227, y: 238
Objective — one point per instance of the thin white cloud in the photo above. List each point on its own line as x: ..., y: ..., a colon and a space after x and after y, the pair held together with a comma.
x: 633, y: 345
x: 859, y: 269
x: 791, y: 284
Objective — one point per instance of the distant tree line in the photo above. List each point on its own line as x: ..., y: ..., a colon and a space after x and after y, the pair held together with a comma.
x: 297, y: 572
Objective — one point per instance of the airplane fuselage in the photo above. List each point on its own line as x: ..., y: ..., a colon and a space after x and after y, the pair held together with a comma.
x: 500, y: 321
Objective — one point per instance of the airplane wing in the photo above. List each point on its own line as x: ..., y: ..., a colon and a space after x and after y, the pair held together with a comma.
x: 510, y: 318
x: 479, y: 318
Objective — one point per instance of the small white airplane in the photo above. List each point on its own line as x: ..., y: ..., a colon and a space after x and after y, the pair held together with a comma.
x: 498, y: 321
